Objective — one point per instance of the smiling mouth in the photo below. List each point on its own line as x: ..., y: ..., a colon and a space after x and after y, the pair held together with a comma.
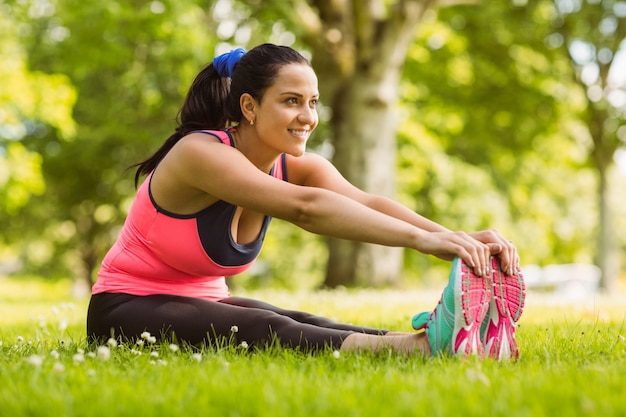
x: 300, y: 133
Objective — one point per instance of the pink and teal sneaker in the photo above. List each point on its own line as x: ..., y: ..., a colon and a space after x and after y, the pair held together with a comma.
x: 505, y: 309
x: 454, y: 325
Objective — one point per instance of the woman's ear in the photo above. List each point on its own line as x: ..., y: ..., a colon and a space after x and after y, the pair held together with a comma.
x: 248, y: 107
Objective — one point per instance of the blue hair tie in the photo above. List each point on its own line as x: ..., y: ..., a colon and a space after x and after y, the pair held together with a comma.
x: 225, y: 63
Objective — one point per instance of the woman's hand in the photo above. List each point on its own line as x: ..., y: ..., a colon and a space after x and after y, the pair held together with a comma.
x: 474, y: 248
x: 447, y: 245
x: 498, y: 245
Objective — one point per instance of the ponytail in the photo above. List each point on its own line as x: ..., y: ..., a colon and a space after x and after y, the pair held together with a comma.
x: 203, y: 108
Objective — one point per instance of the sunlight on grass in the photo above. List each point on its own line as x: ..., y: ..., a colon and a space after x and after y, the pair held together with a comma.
x: 573, y: 364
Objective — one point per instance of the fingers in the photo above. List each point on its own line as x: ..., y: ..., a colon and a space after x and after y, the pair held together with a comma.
x: 494, y: 248
x: 475, y: 253
x: 509, y: 259
x: 447, y: 245
x: 507, y: 252
x: 511, y: 264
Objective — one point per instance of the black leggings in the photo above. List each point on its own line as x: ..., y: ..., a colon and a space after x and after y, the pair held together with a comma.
x: 197, y: 321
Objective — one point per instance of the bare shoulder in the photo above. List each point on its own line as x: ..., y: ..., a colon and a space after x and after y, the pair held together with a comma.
x: 189, y: 146
x: 199, y: 153
x: 180, y: 181
x: 305, y: 168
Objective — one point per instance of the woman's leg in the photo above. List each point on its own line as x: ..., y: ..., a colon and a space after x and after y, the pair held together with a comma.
x: 259, y: 324
x: 363, y: 338
x: 197, y: 321
x: 301, y: 316
x: 403, y: 343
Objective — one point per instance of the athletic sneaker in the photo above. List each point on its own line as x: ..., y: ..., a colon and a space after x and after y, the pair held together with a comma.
x: 505, y: 309
x: 454, y: 325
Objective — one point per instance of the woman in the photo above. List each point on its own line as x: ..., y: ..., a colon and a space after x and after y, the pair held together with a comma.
x: 207, y: 200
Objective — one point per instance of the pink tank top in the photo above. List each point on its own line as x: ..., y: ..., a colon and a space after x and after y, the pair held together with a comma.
x: 158, y: 252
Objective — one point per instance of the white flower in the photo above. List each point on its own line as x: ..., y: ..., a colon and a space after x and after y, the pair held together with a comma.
x: 112, y: 342
x: 336, y: 354
x: 35, y: 360
x: 58, y: 367
x: 140, y: 342
x: 80, y: 351
x: 55, y: 310
x: 622, y: 338
x: 91, y: 355
x: 148, y: 337
x: 154, y: 354
x: 234, y: 329
x: 135, y: 352
x: 78, y: 358
x: 104, y: 353
x: 20, y: 338
x: 63, y: 325
x: 196, y: 357
x: 173, y: 347
x: 244, y: 344
x: 54, y: 354
x: 161, y: 362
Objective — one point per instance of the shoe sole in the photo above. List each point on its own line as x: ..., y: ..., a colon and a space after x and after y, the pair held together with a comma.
x: 506, y: 307
x: 472, y: 295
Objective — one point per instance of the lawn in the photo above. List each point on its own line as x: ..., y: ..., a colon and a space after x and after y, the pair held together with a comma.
x: 573, y: 364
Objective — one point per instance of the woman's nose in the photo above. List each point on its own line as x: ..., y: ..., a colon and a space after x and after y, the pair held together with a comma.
x: 308, y: 116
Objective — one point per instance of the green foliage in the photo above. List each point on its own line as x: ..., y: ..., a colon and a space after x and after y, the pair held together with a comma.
x: 131, y: 64
x: 494, y: 140
x: 496, y: 131
x: 30, y: 101
x: 20, y: 177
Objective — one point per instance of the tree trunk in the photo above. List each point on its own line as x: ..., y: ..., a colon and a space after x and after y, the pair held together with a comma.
x: 359, y: 49
x: 365, y: 153
x: 604, y: 246
x: 604, y: 147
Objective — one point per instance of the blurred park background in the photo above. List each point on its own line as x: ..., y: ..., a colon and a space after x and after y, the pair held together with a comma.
x: 506, y: 114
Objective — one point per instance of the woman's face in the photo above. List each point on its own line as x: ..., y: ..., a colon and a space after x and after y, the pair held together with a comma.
x: 286, y: 115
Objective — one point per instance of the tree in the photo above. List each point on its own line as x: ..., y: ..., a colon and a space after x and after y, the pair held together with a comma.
x: 359, y: 49
x: 501, y: 100
x: 131, y: 63
x: 592, y: 33
x: 543, y: 83
x: 31, y: 103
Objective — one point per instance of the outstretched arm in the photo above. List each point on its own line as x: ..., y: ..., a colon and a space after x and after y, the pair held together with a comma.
x: 497, y: 244
x: 314, y: 170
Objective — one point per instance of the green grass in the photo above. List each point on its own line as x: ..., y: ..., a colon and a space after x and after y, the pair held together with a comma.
x: 573, y: 364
